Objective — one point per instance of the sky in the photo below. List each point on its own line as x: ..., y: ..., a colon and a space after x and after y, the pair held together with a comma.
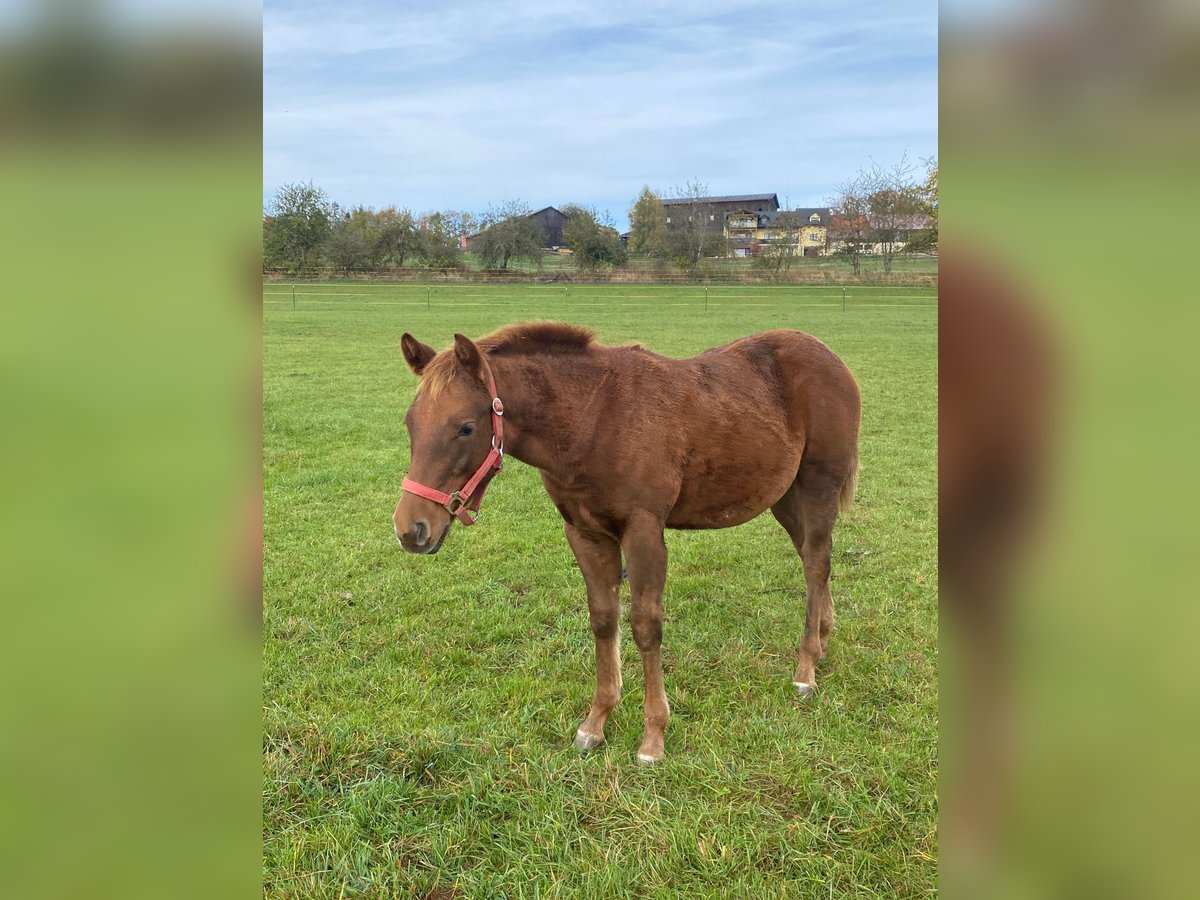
x: 466, y: 105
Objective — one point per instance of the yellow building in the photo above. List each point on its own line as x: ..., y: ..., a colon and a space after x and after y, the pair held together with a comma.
x: 806, y: 230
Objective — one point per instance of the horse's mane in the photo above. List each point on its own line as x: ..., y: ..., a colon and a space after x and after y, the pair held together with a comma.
x: 537, y: 337
x: 524, y: 339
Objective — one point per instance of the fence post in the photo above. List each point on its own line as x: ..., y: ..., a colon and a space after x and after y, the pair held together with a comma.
x: 293, y: 296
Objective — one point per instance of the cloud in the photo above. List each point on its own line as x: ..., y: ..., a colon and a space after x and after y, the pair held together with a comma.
x: 553, y: 102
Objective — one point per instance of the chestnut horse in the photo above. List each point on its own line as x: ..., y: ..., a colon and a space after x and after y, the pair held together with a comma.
x: 629, y: 443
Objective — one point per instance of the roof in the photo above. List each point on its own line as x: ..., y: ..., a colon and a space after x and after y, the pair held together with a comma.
x: 804, y: 213
x: 732, y: 198
x: 798, y: 216
x: 545, y: 209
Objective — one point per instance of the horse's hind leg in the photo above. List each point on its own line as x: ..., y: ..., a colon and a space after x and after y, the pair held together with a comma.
x: 646, y: 554
x: 808, y: 511
x: 600, y: 561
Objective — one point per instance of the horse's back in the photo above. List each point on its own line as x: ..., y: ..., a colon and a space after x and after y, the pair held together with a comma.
x: 755, y: 409
x: 810, y: 382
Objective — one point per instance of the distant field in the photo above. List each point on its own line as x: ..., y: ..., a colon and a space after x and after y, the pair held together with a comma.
x: 419, y: 711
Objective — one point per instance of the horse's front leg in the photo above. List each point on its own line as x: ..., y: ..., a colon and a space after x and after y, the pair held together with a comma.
x: 646, y: 557
x: 600, y: 561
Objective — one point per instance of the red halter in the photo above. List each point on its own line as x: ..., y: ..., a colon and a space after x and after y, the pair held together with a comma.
x: 465, y: 501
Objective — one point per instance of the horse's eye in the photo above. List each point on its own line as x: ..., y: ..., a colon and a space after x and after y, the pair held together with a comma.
x: 467, y: 430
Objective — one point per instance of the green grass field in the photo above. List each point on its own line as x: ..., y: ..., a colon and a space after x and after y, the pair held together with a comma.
x: 418, y: 711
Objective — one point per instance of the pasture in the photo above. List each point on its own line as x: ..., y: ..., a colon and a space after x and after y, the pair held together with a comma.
x: 419, y: 711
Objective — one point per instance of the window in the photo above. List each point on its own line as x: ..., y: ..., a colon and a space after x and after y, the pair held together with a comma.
x: 711, y: 217
x: 668, y: 220
x: 814, y: 238
x: 815, y: 218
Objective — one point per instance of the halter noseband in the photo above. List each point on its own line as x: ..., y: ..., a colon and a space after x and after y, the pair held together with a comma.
x: 465, y: 501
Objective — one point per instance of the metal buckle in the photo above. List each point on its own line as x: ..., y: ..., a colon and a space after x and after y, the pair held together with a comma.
x: 497, y: 406
x: 455, y: 498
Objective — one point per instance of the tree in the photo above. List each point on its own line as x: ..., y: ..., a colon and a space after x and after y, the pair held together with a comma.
x: 777, y: 255
x: 694, y: 232
x: 508, y: 234
x: 593, y: 240
x: 459, y: 224
x: 926, y: 239
x: 439, y: 239
x: 396, y: 237
x: 351, y: 240
x: 647, y: 225
x: 894, y: 208
x: 300, y: 218
x: 849, y: 224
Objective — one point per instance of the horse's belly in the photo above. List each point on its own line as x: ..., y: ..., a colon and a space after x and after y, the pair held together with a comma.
x: 730, y: 496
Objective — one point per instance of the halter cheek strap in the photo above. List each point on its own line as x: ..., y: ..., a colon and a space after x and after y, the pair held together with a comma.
x: 464, y: 503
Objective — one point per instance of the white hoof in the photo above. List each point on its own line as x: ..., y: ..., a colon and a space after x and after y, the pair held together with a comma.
x: 584, y: 741
x: 803, y: 689
x: 646, y: 760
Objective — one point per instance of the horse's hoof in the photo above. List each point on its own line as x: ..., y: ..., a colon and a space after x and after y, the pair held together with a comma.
x: 803, y: 689
x: 645, y: 759
x: 584, y: 741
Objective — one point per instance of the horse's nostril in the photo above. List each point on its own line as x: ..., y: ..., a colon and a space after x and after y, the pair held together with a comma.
x: 422, y: 532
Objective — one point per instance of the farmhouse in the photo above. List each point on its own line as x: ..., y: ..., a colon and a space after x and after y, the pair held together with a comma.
x: 681, y: 210
x: 749, y: 230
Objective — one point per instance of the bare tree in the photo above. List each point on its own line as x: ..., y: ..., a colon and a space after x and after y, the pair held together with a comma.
x: 849, y: 225
x: 693, y: 232
x: 893, y: 207
x: 780, y: 251
x: 877, y: 211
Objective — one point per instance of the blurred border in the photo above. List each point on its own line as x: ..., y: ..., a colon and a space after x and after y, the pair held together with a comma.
x: 1069, y: 135
x: 130, y: 166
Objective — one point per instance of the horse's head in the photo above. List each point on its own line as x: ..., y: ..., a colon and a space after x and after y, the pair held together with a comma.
x: 450, y: 430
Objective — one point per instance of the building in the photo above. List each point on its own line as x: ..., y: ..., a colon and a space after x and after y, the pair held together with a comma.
x: 749, y: 230
x: 680, y: 209
x: 880, y: 235
x: 551, y: 221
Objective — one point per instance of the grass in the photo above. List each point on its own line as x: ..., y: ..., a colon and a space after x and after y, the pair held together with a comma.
x: 419, y: 711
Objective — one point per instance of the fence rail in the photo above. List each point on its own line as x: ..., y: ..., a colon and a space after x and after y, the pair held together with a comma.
x: 663, y: 275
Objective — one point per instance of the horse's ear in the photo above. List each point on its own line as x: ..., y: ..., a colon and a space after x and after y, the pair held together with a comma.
x: 416, y: 354
x: 468, y: 356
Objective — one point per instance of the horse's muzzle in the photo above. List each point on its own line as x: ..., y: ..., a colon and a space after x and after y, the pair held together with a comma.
x: 419, y: 538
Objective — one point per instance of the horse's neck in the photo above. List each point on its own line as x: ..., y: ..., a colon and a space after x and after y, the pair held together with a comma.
x: 541, y: 423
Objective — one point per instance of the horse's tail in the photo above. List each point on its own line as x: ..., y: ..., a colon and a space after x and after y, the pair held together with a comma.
x: 846, y: 494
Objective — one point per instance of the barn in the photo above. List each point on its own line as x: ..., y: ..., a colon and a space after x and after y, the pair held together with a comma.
x: 551, y: 220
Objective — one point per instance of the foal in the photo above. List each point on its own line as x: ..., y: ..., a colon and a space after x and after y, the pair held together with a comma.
x: 629, y: 443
